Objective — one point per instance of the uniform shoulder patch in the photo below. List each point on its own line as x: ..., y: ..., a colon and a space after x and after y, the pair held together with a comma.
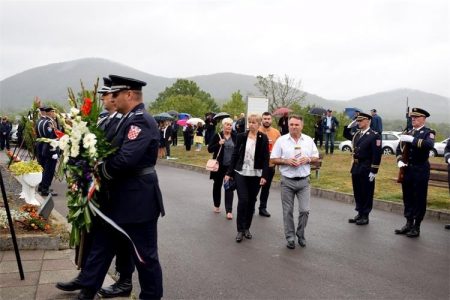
x: 432, y: 136
x: 378, y: 143
x: 133, y: 133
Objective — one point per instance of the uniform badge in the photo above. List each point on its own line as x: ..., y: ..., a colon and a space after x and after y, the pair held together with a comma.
x: 378, y: 143
x: 133, y: 132
x: 431, y: 135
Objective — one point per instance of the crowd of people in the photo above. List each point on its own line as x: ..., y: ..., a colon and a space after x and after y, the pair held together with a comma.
x: 248, y: 150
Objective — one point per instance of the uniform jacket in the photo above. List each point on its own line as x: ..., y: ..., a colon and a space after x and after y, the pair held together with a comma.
x: 366, y: 152
x: 376, y: 124
x: 261, y: 154
x: 419, y: 150
x: 134, y: 196
x: 5, y: 128
x: 447, y: 155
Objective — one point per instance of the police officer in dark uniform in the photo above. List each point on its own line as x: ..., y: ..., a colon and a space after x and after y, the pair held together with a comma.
x: 47, y: 155
x: 412, y: 155
x: 366, y: 162
x: 39, y: 133
x: 135, y: 200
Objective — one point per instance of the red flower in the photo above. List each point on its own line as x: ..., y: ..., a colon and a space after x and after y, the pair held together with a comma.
x: 59, y: 133
x: 87, y: 106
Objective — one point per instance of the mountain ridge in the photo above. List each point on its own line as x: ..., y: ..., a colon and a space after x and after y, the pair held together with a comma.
x: 50, y: 82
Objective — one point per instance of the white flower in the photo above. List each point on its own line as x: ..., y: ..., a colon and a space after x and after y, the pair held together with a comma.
x: 74, y: 111
x: 54, y: 144
x: 74, y: 150
x: 89, y: 141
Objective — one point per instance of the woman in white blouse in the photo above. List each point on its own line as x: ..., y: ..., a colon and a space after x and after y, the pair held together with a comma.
x: 249, y: 167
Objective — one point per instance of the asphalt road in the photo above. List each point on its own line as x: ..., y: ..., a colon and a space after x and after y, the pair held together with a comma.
x: 200, y: 258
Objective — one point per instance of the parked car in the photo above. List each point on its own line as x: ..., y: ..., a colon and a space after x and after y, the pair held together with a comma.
x: 13, y: 133
x: 390, y: 140
x: 439, y: 148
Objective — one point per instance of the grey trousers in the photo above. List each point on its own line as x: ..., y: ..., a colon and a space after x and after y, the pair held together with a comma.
x: 289, y: 189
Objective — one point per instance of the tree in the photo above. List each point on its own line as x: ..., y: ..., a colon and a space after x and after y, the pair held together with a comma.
x: 235, y: 106
x: 184, y: 87
x: 281, y: 92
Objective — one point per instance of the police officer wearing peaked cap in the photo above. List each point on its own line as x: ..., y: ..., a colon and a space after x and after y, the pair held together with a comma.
x: 415, y: 146
x: 135, y: 200
x: 366, y: 161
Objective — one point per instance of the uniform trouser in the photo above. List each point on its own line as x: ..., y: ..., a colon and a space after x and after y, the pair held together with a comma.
x: 265, y: 189
x: 415, y: 189
x: 247, y: 191
x: 4, y: 141
x: 329, y: 142
x: 174, y: 140
x: 290, y: 189
x: 124, y: 258
x: 363, y: 190
x: 217, y: 190
x: 49, y: 166
x: 106, y: 240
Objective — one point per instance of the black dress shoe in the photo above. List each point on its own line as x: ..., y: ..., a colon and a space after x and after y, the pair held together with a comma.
x: 302, y: 242
x: 414, y: 232
x: 290, y: 244
x: 86, y: 294
x: 356, y: 218
x: 122, y: 288
x: 404, y: 230
x: 248, y: 235
x: 239, y: 237
x: 362, y: 221
x: 69, y: 286
x: 447, y: 226
x: 263, y: 212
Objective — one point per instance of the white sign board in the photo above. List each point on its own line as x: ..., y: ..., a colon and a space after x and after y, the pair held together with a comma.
x: 257, y: 105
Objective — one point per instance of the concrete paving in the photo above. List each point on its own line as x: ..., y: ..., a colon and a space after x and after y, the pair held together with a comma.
x: 200, y: 258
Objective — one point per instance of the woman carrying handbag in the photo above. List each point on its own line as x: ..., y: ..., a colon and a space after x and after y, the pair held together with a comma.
x: 222, y: 146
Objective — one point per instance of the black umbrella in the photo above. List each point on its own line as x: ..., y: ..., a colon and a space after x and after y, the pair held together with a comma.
x: 163, y: 117
x: 221, y: 115
x: 173, y: 113
x: 319, y: 111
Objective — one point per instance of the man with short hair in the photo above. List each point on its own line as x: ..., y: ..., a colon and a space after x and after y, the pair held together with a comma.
x: 376, y: 124
x: 366, y: 144
x: 135, y: 200
x: 272, y: 134
x: 415, y: 146
x: 294, y: 153
x: 330, y: 124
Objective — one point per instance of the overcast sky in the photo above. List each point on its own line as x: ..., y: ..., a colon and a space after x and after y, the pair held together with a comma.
x: 339, y: 49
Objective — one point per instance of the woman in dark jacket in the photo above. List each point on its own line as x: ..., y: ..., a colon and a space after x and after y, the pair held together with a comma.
x: 250, y: 168
x: 188, y: 134
x: 224, y: 142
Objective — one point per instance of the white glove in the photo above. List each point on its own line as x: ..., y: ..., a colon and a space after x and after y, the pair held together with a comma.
x: 55, y: 156
x: 401, y: 164
x: 448, y: 161
x: 352, y: 124
x: 406, y: 138
x: 372, y: 176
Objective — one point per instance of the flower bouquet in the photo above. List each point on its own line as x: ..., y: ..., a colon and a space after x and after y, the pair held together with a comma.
x: 83, y: 145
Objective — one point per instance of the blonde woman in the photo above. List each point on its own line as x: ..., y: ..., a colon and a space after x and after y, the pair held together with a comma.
x: 250, y: 168
x: 222, y: 146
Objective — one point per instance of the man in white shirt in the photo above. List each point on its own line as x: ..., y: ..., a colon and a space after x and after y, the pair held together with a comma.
x: 294, y: 152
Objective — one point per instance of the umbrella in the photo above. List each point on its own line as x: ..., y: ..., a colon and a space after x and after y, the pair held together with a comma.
x: 318, y: 111
x: 350, y: 111
x: 183, y: 116
x: 173, y: 113
x: 195, y: 121
x: 221, y: 115
x: 281, y: 111
x: 182, y: 122
x: 163, y: 117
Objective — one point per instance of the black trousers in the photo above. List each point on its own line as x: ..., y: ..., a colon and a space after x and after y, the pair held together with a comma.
x: 4, y: 141
x: 168, y: 148
x: 124, y: 258
x: 247, y: 190
x: 106, y: 240
x: 49, y: 166
x: 415, y: 190
x: 217, y: 190
x: 363, y: 191
x: 265, y: 189
x: 318, y: 138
